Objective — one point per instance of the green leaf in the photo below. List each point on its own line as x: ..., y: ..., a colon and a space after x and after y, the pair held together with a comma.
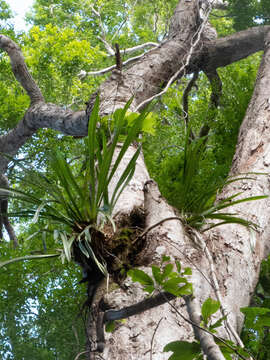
x: 183, y: 350
x: 173, y: 287
x: 254, y: 311
x: 140, y: 276
x: 167, y: 271
x: 186, y: 290
x: 110, y: 326
x: 149, y: 288
x: 178, y: 266
x: 218, y: 323
x: 209, y: 307
x: 165, y: 258
x: 67, y: 243
x: 187, y: 271
x: 157, y: 274
x: 27, y: 257
x: 256, y: 317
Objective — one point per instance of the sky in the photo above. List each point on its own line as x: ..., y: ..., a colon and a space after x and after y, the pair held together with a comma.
x: 19, y: 7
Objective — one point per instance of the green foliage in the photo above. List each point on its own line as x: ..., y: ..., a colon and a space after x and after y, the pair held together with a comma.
x: 248, y: 13
x: 164, y: 278
x: 5, y: 12
x: 256, y: 330
x: 257, y: 317
x: 190, y: 174
x: 38, y: 304
x: 56, y: 57
x: 128, y: 22
x: 183, y: 350
x: 213, y: 211
x: 209, y: 308
x: 73, y: 203
x: 198, y: 207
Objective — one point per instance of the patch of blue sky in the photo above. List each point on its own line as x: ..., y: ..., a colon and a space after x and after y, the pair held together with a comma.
x: 19, y: 9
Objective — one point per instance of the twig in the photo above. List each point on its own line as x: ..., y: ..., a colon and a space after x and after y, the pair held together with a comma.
x: 152, y: 340
x: 139, y: 47
x: 20, y: 69
x: 102, y: 28
x: 155, y: 225
x: 82, y: 74
x: 81, y: 353
x: 124, y: 21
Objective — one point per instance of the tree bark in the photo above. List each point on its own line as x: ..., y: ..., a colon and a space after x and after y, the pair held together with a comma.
x: 225, y: 261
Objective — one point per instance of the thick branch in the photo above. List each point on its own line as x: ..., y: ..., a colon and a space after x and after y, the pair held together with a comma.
x: 39, y: 116
x: 225, y: 51
x: 144, y: 305
x: 20, y: 69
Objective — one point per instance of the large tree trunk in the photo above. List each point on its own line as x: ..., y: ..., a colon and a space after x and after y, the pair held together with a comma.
x: 226, y: 261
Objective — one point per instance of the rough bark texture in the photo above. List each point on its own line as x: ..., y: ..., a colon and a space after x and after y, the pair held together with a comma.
x: 233, y: 253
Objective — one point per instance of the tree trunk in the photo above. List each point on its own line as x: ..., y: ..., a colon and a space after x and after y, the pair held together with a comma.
x: 226, y: 261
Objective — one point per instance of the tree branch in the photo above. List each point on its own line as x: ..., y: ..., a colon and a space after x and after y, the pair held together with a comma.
x: 205, y: 337
x: 102, y: 28
x: 83, y: 74
x: 225, y: 51
x: 20, y: 69
x: 193, y: 45
x: 139, y: 47
x: 144, y: 305
x: 209, y: 347
x: 38, y: 116
x: 118, y: 60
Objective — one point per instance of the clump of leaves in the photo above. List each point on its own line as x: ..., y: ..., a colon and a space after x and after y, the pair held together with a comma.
x: 199, y: 206
x: 256, y: 330
x: 164, y: 278
x: 78, y: 205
